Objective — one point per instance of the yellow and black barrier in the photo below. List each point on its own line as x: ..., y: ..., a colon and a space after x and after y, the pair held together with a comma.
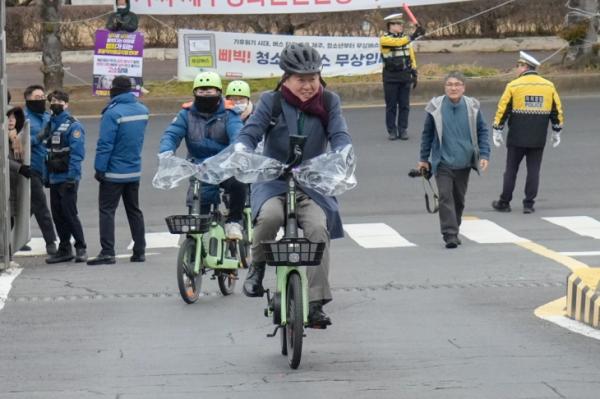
x: 583, y: 296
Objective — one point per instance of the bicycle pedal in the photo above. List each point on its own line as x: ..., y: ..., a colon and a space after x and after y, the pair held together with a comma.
x: 274, y: 332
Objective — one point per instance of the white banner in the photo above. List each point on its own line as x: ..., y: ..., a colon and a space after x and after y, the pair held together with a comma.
x: 206, y: 7
x: 247, y: 56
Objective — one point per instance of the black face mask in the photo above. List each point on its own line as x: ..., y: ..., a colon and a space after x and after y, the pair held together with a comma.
x: 57, y: 109
x: 207, y: 104
x: 37, y: 106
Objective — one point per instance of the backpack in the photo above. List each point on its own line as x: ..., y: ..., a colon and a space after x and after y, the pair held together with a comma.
x: 276, y: 110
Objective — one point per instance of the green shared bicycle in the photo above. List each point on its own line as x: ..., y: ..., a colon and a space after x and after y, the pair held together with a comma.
x: 205, y: 247
x: 288, y: 306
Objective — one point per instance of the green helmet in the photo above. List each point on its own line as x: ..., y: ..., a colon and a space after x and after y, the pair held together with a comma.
x: 208, y: 79
x: 238, y: 88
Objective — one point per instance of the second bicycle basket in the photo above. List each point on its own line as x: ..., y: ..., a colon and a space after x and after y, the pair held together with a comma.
x: 188, y: 224
x: 293, y: 252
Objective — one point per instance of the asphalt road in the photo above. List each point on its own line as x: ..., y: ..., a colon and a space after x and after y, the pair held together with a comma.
x: 408, y: 321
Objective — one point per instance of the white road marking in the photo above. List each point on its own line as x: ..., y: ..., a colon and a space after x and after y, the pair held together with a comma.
x: 583, y: 225
x: 6, y: 279
x: 573, y: 325
x: 38, y: 248
x: 160, y: 240
x: 376, y: 235
x: 485, y: 231
x: 127, y: 256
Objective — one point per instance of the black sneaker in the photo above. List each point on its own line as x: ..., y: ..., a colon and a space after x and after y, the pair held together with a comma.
x: 51, y: 249
x: 403, y: 135
x: 138, y: 257
x: 528, y: 209
x: 316, y: 317
x: 60, y: 256
x: 80, y: 255
x: 501, y: 206
x: 102, y: 259
x: 392, y: 136
x: 451, y: 242
x: 25, y: 248
x: 253, y: 284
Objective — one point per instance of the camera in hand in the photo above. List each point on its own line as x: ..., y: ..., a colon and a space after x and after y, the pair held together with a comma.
x: 426, y: 173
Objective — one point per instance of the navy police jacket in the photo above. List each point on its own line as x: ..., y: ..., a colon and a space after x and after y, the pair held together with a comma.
x: 37, y: 122
x: 67, y: 136
x: 119, y: 147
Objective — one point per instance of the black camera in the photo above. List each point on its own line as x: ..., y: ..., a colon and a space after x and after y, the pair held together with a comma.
x: 426, y: 173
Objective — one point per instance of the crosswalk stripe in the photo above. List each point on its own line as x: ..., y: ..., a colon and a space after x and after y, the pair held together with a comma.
x: 160, y: 240
x: 484, y: 231
x: 38, y: 248
x: 583, y: 253
x: 376, y: 235
x: 583, y: 225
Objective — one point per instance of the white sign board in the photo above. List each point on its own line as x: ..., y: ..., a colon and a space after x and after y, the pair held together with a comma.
x: 246, y: 56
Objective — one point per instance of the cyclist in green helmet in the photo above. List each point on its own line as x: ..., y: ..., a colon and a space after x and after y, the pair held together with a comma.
x: 238, y: 93
x: 208, y: 124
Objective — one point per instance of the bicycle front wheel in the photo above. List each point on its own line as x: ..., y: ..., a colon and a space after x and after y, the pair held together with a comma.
x: 294, y: 330
x: 227, y: 281
x: 189, y: 283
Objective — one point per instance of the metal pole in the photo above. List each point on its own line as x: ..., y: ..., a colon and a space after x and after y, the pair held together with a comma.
x: 4, y: 173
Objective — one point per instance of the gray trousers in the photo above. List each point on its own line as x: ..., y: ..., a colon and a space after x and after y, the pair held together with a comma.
x: 452, y: 185
x: 313, y: 222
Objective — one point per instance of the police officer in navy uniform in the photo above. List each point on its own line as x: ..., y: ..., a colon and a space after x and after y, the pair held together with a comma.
x: 65, y: 139
x: 118, y: 167
x: 399, y: 74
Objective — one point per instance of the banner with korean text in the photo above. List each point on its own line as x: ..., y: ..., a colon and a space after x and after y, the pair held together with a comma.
x: 247, y: 56
x: 206, y: 7
x: 117, y: 53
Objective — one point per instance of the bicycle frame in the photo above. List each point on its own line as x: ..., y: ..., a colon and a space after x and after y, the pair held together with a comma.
x: 211, y: 248
x: 282, y: 273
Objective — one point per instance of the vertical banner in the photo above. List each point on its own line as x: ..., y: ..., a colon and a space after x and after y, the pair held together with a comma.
x: 248, y: 56
x: 117, y: 53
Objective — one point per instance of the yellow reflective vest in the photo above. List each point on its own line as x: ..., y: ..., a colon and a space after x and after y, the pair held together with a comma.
x: 529, y: 103
x: 398, y: 57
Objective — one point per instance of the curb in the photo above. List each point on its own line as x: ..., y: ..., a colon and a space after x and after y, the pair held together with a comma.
x: 583, y: 296
x: 367, y: 93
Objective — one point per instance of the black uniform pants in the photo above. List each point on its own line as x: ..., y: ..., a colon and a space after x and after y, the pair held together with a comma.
x: 108, y: 199
x: 452, y: 185
x: 514, y: 156
x: 63, y: 202
x: 39, y: 208
x: 397, y: 106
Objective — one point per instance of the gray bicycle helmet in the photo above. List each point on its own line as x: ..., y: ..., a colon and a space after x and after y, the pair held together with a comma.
x: 300, y: 58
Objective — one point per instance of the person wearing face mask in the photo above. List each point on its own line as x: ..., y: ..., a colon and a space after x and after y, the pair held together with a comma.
x: 238, y: 93
x: 65, y: 139
x: 306, y: 108
x: 118, y: 168
x: 208, y: 126
x: 35, y: 112
x: 122, y: 19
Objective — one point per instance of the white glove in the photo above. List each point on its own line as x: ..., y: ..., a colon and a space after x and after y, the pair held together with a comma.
x: 239, y: 147
x: 555, y: 139
x: 166, y: 154
x: 498, y: 138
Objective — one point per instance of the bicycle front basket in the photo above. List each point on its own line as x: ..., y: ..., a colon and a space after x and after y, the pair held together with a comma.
x: 293, y: 252
x: 188, y: 224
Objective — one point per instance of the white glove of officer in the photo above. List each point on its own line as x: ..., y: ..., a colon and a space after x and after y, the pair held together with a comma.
x: 498, y: 138
x: 555, y: 139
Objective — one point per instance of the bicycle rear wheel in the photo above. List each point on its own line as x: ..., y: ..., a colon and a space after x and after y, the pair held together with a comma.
x: 189, y: 283
x: 227, y: 281
x: 294, y: 330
